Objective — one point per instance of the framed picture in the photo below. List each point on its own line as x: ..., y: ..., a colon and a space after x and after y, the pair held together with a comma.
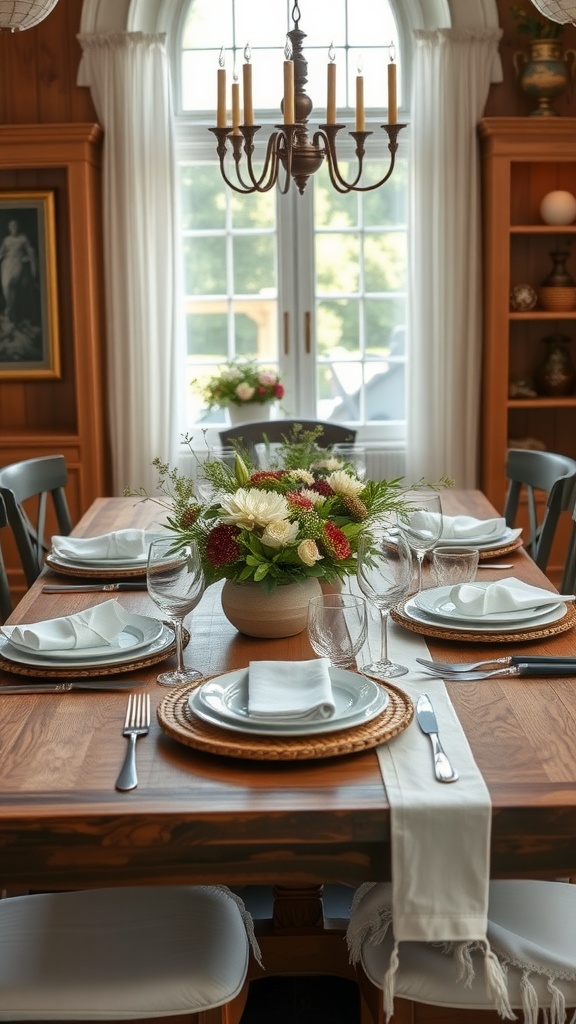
x: 29, y: 342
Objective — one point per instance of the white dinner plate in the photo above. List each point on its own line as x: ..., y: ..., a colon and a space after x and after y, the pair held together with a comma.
x: 138, y: 632
x: 506, y: 538
x: 437, y: 604
x: 99, y: 563
x: 164, y: 637
x: 412, y: 611
x: 224, y: 702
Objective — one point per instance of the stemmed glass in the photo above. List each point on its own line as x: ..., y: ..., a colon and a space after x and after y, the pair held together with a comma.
x: 423, y: 526
x: 337, y: 627
x: 216, y: 453
x: 384, y: 572
x: 175, y: 582
x: 353, y: 455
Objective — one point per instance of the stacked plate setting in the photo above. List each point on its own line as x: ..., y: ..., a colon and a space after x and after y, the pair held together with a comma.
x: 223, y: 702
x: 141, y: 637
x: 435, y: 607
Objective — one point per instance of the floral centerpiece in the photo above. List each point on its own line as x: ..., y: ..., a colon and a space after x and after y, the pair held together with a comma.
x: 240, y: 382
x: 303, y: 518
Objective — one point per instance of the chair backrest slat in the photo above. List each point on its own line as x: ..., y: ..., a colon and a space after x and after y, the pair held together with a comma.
x: 6, y: 606
x: 276, y: 431
x: 34, y: 480
x: 548, y: 473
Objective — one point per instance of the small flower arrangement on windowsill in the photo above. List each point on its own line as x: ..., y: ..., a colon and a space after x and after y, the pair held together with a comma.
x: 239, y: 383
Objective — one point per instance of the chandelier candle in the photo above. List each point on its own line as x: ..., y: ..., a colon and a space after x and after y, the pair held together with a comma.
x: 360, y: 121
x: 331, y: 104
x: 289, y: 116
x: 221, y: 121
x: 247, y: 84
x: 392, y: 106
x: 236, y: 106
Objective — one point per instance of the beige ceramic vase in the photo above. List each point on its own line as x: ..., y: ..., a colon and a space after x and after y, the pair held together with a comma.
x: 254, y: 612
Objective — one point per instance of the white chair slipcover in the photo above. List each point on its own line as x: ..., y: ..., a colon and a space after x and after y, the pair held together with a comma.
x: 531, y: 930
x: 116, y: 954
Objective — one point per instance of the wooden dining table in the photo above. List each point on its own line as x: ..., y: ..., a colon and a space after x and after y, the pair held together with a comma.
x: 200, y: 818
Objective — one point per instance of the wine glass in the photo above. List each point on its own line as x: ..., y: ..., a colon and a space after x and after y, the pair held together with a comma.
x: 423, y: 525
x: 175, y: 582
x: 353, y: 455
x: 216, y: 453
x: 337, y: 627
x: 384, y: 573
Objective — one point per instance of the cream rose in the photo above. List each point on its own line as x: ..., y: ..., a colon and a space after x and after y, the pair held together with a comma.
x: 308, y: 552
x: 278, y: 535
x: 245, y: 392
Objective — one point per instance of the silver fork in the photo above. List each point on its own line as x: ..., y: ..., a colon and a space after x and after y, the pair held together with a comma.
x: 514, y: 659
x: 136, y: 723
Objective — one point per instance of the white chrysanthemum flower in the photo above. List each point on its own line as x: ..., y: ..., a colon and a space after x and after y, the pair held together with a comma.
x: 304, y: 475
x: 342, y: 483
x: 245, y: 391
x: 308, y: 552
x: 278, y: 535
x: 231, y: 373
x: 252, y: 509
x: 313, y: 496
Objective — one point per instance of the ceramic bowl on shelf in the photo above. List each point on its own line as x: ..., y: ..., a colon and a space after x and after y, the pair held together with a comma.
x: 558, y: 299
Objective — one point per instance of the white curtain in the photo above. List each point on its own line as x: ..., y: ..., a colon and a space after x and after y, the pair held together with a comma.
x: 450, y: 86
x: 128, y: 74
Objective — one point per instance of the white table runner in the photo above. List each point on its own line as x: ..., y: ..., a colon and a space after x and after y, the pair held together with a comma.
x: 440, y: 832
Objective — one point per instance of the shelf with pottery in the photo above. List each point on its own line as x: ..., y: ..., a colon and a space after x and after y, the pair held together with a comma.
x: 529, y: 227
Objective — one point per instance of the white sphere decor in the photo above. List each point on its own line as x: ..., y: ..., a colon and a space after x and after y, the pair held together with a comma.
x: 558, y: 207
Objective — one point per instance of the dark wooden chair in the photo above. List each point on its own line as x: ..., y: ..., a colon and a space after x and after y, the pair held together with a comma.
x: 26, y: 487
x: 554, y: 476
x: 6, y: 606
x: 275, y: 431
x: 569, y: 576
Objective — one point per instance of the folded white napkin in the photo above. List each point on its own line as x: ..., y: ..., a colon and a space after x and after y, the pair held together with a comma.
x: 119, y: 544
x: 469, y: 528
x: 94, y: 627
x: 290, y: 690
x: 505, y: 595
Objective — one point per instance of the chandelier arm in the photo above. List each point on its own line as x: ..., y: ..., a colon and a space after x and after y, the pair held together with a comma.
x: 269, y: 170
x: 336, y: 178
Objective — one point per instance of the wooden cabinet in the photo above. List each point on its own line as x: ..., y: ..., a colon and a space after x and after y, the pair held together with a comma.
x: 522, y: 160
x: 64, y: 415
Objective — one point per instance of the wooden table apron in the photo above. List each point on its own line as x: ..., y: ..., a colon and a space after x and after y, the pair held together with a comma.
x: 199, y: 818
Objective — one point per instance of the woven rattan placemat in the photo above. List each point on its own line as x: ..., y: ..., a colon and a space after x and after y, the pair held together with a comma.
x: 568, y: 621
x: 97, y: 572
x: 499, y: 552
x: 177, y: 719
x: 81, y: 671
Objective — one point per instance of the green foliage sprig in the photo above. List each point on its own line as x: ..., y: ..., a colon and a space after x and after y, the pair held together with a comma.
x: 534, y: 24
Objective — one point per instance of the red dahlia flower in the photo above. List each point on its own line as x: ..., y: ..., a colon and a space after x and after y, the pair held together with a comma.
x: 221, y: 546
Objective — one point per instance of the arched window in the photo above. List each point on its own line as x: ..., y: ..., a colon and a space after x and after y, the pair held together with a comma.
x: 315, y: 284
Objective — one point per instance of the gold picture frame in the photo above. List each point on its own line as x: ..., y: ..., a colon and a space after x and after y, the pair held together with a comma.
x: 29, y: 340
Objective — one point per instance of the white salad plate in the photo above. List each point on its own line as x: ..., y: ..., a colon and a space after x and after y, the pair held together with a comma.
x: 501, y: 541
x: 437, y: 604
x: 99, y: 563
x: 144, y: 635
x: 546, y: 618
x: 223, y: 702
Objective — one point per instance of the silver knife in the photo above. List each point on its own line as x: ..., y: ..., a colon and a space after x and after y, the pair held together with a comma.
x: 76, y: 684
x: 427, y: 721
x: 60, y: 588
